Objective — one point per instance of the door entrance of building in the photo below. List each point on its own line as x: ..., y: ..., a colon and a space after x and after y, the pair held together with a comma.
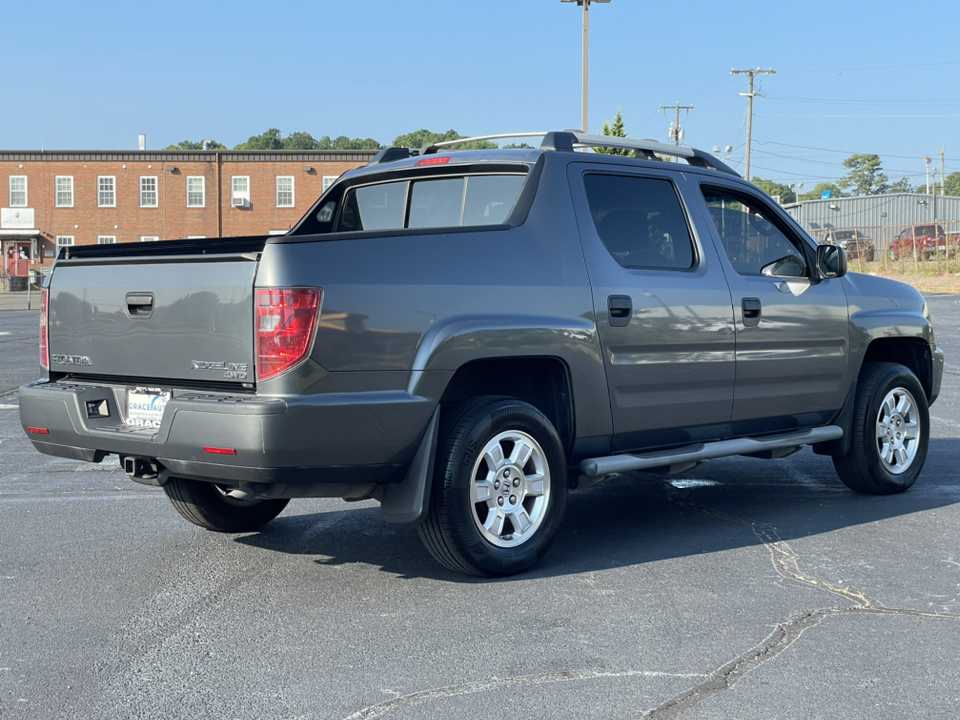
x: 17, y: 255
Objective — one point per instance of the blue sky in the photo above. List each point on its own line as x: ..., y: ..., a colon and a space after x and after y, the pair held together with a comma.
x: 852, y: 77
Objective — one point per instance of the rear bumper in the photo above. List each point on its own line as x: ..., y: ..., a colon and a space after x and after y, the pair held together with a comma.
x: 342, y: 437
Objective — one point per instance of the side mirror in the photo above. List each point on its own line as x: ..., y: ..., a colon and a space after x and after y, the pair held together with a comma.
x: 831, y: 261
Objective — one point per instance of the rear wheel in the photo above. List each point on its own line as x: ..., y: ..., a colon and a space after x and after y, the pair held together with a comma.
x: 210, y: 506
x: 499, y: 489
x: 890, y: 432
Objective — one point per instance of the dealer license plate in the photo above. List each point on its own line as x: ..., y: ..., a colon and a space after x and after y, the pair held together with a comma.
x: 145, y: 406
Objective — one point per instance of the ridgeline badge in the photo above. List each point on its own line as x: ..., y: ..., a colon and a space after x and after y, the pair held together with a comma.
x: 231, y: 371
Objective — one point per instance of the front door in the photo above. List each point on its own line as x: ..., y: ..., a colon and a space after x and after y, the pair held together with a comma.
x: 18, y: 258
x: 792, y: 330
x: 663, y: 309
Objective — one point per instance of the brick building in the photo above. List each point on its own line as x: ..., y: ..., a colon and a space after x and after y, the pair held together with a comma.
x: 50, y: 199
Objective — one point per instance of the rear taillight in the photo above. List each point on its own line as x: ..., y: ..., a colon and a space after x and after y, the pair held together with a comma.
x: 44, y: 330
x: 286, y: 322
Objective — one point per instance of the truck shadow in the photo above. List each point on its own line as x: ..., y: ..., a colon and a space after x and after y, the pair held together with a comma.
x: 641, y: 518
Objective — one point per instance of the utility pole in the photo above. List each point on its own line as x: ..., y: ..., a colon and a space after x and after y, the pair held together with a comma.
x: 585, y: 4
x: 943, y: 173
x: 676, y: 131
x: 749, y: 95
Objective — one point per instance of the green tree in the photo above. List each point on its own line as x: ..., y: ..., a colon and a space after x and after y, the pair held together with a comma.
x: 300, y: 141
x: 270, y: 140
x: 419, y: 138
x: 771, y: 188
x: 865, y: 175
x: 614, y: 130
x: 951, y: 185
x: 818, y: 191
x: 345, y: 143
x: 191, y: 145
x: 903, y: 186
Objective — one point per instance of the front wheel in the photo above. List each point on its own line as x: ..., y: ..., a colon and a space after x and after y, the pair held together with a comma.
x: 889, y: 434
x: 499, y: 489
x: 212, y: 507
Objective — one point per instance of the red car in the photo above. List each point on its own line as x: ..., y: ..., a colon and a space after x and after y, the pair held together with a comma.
x: 923, y: 241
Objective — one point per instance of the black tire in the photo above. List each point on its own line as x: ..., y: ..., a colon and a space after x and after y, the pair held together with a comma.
x: 475, y: 501
x: 868, y: 256
x: 889, y: 434
x: 207, y: 505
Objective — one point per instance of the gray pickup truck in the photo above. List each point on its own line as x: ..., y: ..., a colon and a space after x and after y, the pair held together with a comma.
x: 466, y: 336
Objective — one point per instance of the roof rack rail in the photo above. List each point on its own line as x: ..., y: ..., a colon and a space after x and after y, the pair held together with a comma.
x: 569, y: 140
x: 431, y: 148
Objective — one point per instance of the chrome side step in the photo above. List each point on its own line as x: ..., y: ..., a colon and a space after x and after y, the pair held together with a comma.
x: 757, y: 447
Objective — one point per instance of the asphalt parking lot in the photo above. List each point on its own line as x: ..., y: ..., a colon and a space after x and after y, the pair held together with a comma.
x: 743, y: 589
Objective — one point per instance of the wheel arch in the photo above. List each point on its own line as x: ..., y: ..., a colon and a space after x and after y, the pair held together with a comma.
x: 913, y: 353
x: 542, y: 381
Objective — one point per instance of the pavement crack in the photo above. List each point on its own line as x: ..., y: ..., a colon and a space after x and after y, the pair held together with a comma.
x: 786, y: 564
x: 399, y: 703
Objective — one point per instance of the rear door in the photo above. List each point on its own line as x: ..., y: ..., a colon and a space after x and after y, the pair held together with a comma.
x: 792, y: 333
x: 662, y: 305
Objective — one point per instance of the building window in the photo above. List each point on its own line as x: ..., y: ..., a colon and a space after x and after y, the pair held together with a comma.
x: 106, y: 191
x: 241, y: 189
x: 196, y: 191
x: 18, y: 191
x: 149, y: 238
x: 328, y: 180
x: 148, y: 191
x: 64, y: 241
x: 106, y: 239
x: 64, y: 190
x: 285, y: 191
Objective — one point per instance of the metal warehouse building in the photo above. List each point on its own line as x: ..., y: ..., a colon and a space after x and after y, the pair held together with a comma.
x: 881, y: 217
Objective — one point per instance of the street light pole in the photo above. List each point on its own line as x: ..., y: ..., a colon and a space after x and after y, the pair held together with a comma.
x: 585, y: 4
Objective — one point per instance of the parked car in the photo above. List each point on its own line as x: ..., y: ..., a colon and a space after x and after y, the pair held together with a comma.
x: 923, y: 241
x: 854, y: 243
x: 467, y: 336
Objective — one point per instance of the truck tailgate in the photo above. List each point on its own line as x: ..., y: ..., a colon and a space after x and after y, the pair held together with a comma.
x: 154, y: 318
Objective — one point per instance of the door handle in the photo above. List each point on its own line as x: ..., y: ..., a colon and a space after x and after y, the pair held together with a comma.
x: 139, y: 305
x: 751, y: 312
x: 619, y: 310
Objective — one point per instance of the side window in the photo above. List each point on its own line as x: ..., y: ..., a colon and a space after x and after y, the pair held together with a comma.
x: 640, y: 221
x: 753, y: 240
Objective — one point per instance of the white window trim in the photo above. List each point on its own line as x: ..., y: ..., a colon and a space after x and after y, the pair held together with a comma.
x: 56, y: 191
x: 113, y: 178
x: 149, y: 238
x: 62, y: 241
x: 203, y: 191
x: 293, y: 191
x: 26, y: 195
x: 156, y: 191
x: 328, y: 180
x: 243, y: 194
x: 196, y: 237
x: 106, y: 239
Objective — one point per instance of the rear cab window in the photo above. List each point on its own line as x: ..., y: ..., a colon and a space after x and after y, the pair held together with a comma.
x: 460, y: 201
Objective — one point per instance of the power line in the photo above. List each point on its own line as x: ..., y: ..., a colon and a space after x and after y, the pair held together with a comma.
x: 876, y: 67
